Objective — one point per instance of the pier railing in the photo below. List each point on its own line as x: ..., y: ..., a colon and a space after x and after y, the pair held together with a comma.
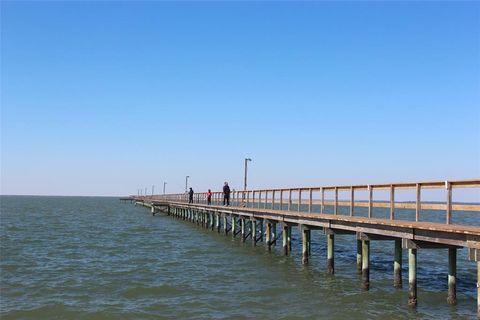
x: 325, y: 199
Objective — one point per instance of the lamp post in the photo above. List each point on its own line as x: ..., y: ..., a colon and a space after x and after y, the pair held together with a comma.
x: 186, y: 183
x: 164, y: 184
x: 245, y: 178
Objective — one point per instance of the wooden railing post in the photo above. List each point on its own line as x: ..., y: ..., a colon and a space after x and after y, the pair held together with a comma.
x: 335, y: 210
x: 266, y: 199
x: 370, y: 198
x: 322, y: 207
x: 352, y: 201
x: 281, y: 199
x: 299, y: 199
x: 448, y: 186
x: 418, y: 206
x: 392, y: 202
x: 289, y: 199
x: 310, y: 200
x: 273, y: 200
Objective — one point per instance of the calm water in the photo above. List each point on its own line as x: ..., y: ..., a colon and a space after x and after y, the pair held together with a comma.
x: 97, y: 258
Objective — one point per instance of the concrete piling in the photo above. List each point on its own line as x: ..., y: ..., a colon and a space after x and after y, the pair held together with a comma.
x: 286, y: 237
x: 254, y: 232
x: 365, y: 264
x: 305, y: 245
x: 225, y: 224
x: 452, y: 276
x: 242, y: 229
x: 478, y: 289
x: 330, y: 255
x: 412, y: 277
x: 359, y: 256
x: 397, y: 264
x: 274, y: 234
x: 234, y: 226
x: 268, y: 235
x: 261, y: 231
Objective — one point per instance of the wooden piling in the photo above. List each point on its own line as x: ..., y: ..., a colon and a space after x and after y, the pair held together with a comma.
x: 478, y: 289
x: 452, y: 276
x: 285, y: 238
x: 225, y: 224
x: 254, y: 232
x: 274, y: 234
x: 305, y: 245
x: 268, y: 235
x: 261, y: 231
x: 217, y: 222
x: 412, y: 277
x: 365, y: 264
x: 289, y: 241
x: 330, y: 255
x: 242, y: 228
x: 234, y: 225
x: 397, y: 264
x: 359, y: 256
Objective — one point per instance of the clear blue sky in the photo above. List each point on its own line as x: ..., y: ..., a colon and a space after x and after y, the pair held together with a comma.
x: 104, y: 98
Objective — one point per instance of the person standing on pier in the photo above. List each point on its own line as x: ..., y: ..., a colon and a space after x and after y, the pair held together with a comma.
x: 209, y: 197
x: 190, y: 196
x: 226, y: 194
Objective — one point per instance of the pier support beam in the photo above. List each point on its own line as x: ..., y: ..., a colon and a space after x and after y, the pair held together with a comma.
x: 254, y: 232
x: 330, y: 255
x: 412, y: 277
x: 365, y: 264
x: 306, y: 245
x: 452, y: 276
x: 397, y: 264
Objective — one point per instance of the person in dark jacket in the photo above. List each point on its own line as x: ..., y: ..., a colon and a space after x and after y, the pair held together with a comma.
x: 209, y: 197
x: 226, y: 194
x: 190, y: 196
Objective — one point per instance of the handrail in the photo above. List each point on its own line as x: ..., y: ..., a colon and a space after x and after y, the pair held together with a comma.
x: 301, y: 197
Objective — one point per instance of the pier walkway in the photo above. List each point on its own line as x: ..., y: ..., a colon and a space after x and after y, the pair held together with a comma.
x: 367, y: 212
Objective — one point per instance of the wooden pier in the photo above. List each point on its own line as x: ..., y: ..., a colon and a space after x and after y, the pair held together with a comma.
x: 255, y: 214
